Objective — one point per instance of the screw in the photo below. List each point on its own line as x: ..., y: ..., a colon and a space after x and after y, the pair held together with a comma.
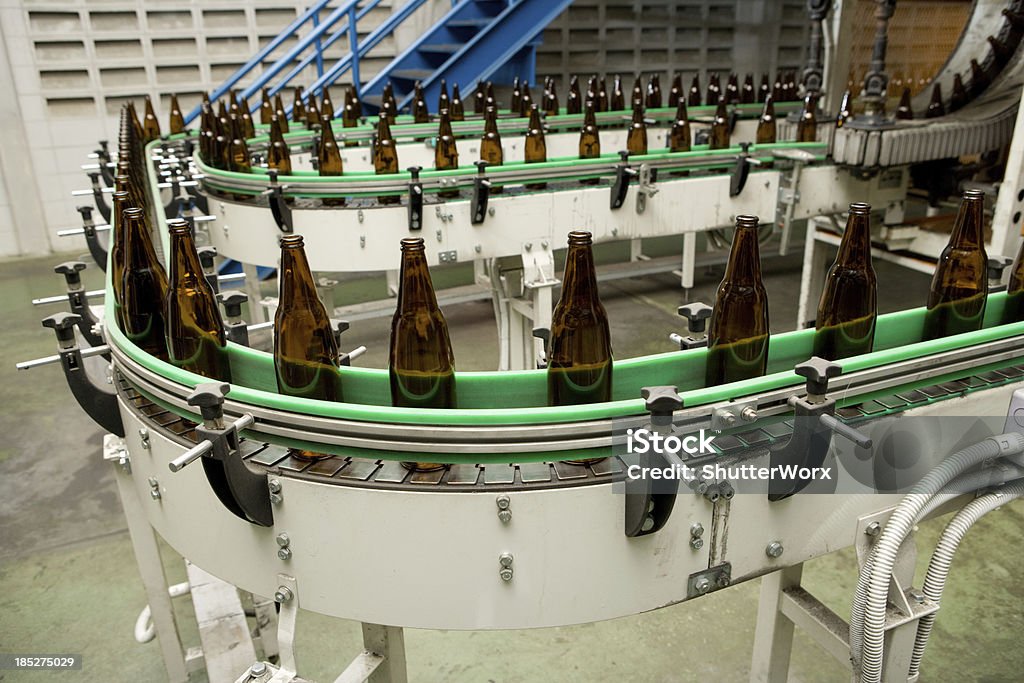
x: 505, y: 574
x: 504, y: 516
x: 544, y: 245
x: 360, y: 216
x: 722, y: 581
x: 283, y: 594
x: 873, y: 529
x: 503, y: 502
x: 748, y: 414
x: 478, y: 248
x: 362, y: 241
x: 528, y: 246
x: 696, y: 529
x: 505, y: 559
x: 696, y: 543
x: 440, y: 235
x: 916, y: 595
x: 648, y: 524
x: 728, y: 419
x: 774, y: 549
x: 490, y: 211
x: 702, y: 585
x: 274, y: 485
x: 283, y: 540
x: 144, y: 435
x: 258, y: 669
x: 284, y: 554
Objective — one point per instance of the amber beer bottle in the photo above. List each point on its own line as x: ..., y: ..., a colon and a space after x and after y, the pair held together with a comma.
x: 535, y: 149
x: 421, y: 364
x: 617, y: 98
x: 590, y: 139
x: 326, y: 104
x: 279, y: 113
x: 693, y: 97
x: 1013, y: 311
x: 385, y: 156
x: 675, y: 91
x: 719, y: 137
x: 903, y: 110
x: 266, y: 108
x: 747, y: 93
x: 443, y: 101
x: 679, y: 136
x: 312, y: 114
x: 458, y: 111
x: 573, y: 102
x: 329, y: 158
x: 176, y: 120
x: 956, y: 299
x: 446, y: 152
x: 490, y: 143
x: 150, y: 124
x: 935, y: 106
x: 636, y: 139
x: 766, y: 125
x: 238, y: 151
x: 959, y: 98
x: 278, y: 156
x: 763, y: 90
x: 807, y: 126
x: 580, y: 353
x: 847, y: 309
x: 195, y: 332
x: 738, y: 332
x: 143, y: 287
x: 298, y: 106
x: 420, y: 113
x: 349, y: 116
x: 120, y: 201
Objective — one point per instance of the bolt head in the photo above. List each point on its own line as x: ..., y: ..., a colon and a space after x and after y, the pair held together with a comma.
x: 283, y: 594
x: 258, y: 669
x: 505, y: 516
x: 155, y: 494
x: 274, y: 485
x: 503, y: 502
x: 505, y: 574
x: 722, y: 581
x: 696, y: 529
x: 283, y: 540
x: 774, y: 549
x: 648, y: 524
x: 284, y: 554
x: 748, y: 414
x: 873, y: 529
x: 505, y: 559
x: 696, y: 543
x: 702, y: 585
x: 490, y: 211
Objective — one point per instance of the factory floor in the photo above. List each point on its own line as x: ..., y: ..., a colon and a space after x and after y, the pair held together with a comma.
x: 69, y: 582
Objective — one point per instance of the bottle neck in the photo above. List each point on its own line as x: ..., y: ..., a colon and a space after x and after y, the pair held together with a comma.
x: 744, y: 266
x: 968, y: 231
x: 415, y: 291
x: 579, y: 282
x: 186, y: 270
x: 855, y: 247
x: 297, y: 286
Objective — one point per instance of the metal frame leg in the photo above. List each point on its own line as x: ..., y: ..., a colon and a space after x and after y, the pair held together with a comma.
x: 773, y: 636
x: 689, y: 263
x: 147, y: 557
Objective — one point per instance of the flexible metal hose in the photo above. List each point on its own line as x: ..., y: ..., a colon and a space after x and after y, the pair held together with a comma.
x: 971, y: 483
x: 942, y: 558
x: 867, y: 616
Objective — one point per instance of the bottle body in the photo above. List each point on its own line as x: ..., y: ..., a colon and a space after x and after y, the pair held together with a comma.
x: 719, y: 136
x: 807, y: 126
x: 738, y: 331
x: 196, y: 340
x: 957, y: 296
x: 580, y: 351
x: 636, y: 139
x: 847, y: 309
x: 385, y: 156
x: 143, y: 288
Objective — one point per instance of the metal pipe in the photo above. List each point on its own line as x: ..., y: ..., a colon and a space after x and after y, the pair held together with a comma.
x: 189, y: 456
x: 49, y: 360
x: 91, y: 294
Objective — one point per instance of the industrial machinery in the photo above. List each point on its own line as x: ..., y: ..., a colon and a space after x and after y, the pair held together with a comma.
x: 517, y: 517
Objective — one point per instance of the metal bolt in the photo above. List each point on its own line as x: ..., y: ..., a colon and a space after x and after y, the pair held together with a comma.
x: 748, y: 414
x: 774, y: 549
x: 722, y: 581
x: 528, y: 246
x: 440, y: 235
x: 144, y: 435
x: 504, y: 516
x: 362, y: 241
x: 916, y: 595
x: 154, y: 488
x: 648, y: 524
x: 505, y: 560
x: 696, y: 529
x: 505, y: 574
x: 729, y: 419
x: 283, y: 594
x: 615, y: 232
x: 490, y: 211
x: 873, y: 529
x: 544, y: 244
x: 478, y: 248
x: 274, y: 485
x: 258, y: 669
x: 696, y: 543
x: 503, y: 502
x: 702, y: 585
x: 283, y: 540
x: 284, y: 554
x: 359, y: 216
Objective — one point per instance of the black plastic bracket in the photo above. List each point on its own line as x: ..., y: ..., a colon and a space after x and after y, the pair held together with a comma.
x: 178, y: 203
x: 103, y: 157
x: 996, y: 265
x: 481, y: 194
x: 96, y: 250
x: 813, y: 428
x: 646, y: 512
x: 740, y: 171
x: 697, y: 315
x: 544, y: 334
x: 98, y: 401
x: 97, y: 195
x: 79, y: 306
x: 208, y: 260
x: 621, y: 185
x: 234, y: 327
x: 278, y: 205
x: 415, y: 199
x: 242, y: 491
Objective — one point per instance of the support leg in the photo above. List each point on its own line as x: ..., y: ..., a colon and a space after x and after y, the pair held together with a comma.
x: 389, y: 643
x: 815, y: 253
x: 689, y: 263
x: 147, y: 557
x: 773, y: 636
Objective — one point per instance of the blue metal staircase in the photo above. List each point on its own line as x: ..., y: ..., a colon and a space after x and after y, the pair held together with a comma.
x: 476, y: 40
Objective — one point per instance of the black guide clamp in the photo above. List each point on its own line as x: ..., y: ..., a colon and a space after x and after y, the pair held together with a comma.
x: 697, y: 315
x: 415, y: 199
x: 481, y: 194
x: 813, y: 428
x: 242, y: 491
x: 76, y: 297
x: 234, y: 327
x: 187, y: 145
x: 98, y: 401
x: 621, y: 185
x: 103, y: 156
x: 741, y: 170
x: 179, y: 201
x: 208, y: 260
x: 544, y: 334
x: 97, y: 195
x: 702, y: 136
x: 199, y: 200
x: 278, y: 204
x: 96, y: 250
x: 996, y: 265
x: 646, y: 511
x: 734, y: 117
x: 314, y: 155
x: 345, y: 358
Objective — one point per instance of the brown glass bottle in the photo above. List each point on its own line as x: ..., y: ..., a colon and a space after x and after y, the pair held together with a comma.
x: 719, y: 135
x: 636, y: 95
x: 446, y: 152
x: 738, y: 330
x: 847, y: 309
x: 573, y: 101
x: 305, y: 351
x: 617, y: 98
x: 525, y: 102
x: 959, y: 97
x: 1013, y: 311
x: 580, y: 349
x: 654, y: 95
x: 420, y: 113
x: 714, y: 94
x: 490, y: 143
x: 903, y: 110
x: 679, y: 136
x: 299, y: 106
x: 732, y: 90
x: 763, y: 90
x: 421, y: 364
x: 349, y: 117
x: 279, y: 112
x: 120, y: 200
x: 935, y: 106
x: 195, y: 332
x: 176, y: 120
x: 535, y: 149
x: 385, y: 156
x: 766, y: 125
x: 636, y: 138
x: 956, y: 299
x: 150, y: 124
x: 388, y: 103
x: 278, y: 156
x: 328, y: 153
x: 458, y: 111
x: 807, y: 125
x: 747, y: 93
x: 590, y: 139
x: 266, y: 108
x: 326, y: 104
x: 248, y: 127
x: 979, y: 78
x: 693, y: 97
x: 143, y: 287
x: 238, y: 151
x: 675, y: 91
x: 443, y: 101
x: 517, y: 95
x: 551, y: 108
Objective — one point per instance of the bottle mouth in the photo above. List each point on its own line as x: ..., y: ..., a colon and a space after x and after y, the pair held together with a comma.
x: 974, y: 194
x: 412, y: 244
x: 178, y: 226
x: 578, y: 238
x: 132, y: 212
x: 860, y: 208
x: 291, y: 242
x: 744, y: 221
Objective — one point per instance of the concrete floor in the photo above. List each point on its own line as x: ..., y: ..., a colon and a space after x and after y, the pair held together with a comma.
x: 70, y: 584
